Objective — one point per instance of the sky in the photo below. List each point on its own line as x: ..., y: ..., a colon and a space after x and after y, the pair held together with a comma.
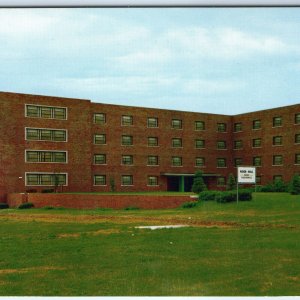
x: 214, y: 60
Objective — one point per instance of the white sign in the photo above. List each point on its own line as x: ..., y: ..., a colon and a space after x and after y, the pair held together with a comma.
x: 246, y: 174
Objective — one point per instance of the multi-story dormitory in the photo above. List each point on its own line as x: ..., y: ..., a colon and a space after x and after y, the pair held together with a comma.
x: 85, y: 146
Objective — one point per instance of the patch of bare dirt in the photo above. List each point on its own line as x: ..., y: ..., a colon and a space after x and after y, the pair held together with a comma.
x: 26, y: 270
x: 97, y: 232
x: 129, y: 219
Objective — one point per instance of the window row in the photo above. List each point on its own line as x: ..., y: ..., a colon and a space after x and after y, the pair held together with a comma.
x: 127, y: 140
x: 153, y: 160
x: 221, y: 181
x: 43, y: 134
x: 46, y: 156
x: 127, y: 120
x: 277, y: 160
x: 126, y: 180
x: 46, y: 179
x: 256, y: 143
x: 45, y: 112
x: 256, y: 124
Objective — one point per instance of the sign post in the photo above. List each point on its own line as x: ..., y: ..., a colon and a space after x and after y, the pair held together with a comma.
x: 245, y: 175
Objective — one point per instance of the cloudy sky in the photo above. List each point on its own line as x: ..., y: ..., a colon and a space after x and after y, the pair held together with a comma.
x: 217, y: 60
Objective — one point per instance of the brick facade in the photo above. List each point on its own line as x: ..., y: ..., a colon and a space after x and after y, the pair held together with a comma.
x: 84, y: 201
x: 80, y: 147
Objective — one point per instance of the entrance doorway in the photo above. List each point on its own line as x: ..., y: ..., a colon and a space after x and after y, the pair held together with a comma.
x: 179, y: 183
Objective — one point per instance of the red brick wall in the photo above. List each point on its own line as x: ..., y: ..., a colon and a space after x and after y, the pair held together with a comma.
x: 93, y: 201
x: 267, y: 150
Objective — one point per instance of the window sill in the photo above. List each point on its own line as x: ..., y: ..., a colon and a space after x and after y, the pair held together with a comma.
x: 154, y: 185
x: 277, y: 165
x: 100, y: 185
x: 152, y: 165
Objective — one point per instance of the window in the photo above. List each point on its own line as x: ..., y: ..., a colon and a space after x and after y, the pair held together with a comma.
x: 221, y: 181
x: 221, y: 162
x: 152, y: 122
x: 297, y: 118
x: 46, y: 112
x: 297, y: 138
x: 258, y: 179
x: 47, y: 179
x: 99, y: 118
x: 200, y: 162
x: 127, y: 160
x: 221, y: 144
x: 152, y: 141
x: 152, y: 160
x: 127, y: 140
x: 152, y: 180
x: 221, y: 127
x: 256, y: 124
x: 127, y: 120
x: 41, y: 134
x: 297, y: 159
x: 32, y: 111
x: 277, y: 178
x: 277, y: 121
x: 176, y: 161
x: 277, y: 160
x: 277, y: 140
x: 127, y: 180
x: 199, y: 144
x: 100, y: 139
x: 46, y: 156
x: 99, y: 159
x: 256, y: 161
x: 176, y: 124
x: 199, y: 125
x: 46, y: 135
x: 99, y: 179
x: 238, y: 144
x: 256, y: 143
x: 237, y: 127
x: 176, y: 142
x: 238, y: 162
x: 59, y: 113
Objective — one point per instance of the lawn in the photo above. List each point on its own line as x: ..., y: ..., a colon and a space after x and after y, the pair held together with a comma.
x: 246, y: 249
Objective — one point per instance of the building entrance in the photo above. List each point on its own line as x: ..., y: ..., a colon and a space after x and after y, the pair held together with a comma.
x: 180, y: 183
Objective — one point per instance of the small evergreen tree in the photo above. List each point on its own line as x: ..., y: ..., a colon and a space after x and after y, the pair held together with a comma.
x: 198, y: 183
x: 295, y: 185
x: 231, y: 183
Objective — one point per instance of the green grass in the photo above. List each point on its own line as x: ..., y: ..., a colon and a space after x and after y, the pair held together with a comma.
x: 100, y: 252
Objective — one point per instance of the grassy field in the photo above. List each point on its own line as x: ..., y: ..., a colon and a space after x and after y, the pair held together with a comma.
x: 246, y: 249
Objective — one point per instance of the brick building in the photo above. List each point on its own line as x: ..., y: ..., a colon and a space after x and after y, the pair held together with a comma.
x: 83, y: 146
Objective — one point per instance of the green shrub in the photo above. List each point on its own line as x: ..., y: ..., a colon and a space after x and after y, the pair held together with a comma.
x: 198, y: 183
x: 231, y: 184
x: 225, y: 197
x: 131, y: 208
x: 245, y: 195
x: 278, y: 186
x: 189, y: 204
x: 295, y: 185
x: 26, y: 205
x: 208, y: 195
x: 3, y: 205
x: 48, y: 207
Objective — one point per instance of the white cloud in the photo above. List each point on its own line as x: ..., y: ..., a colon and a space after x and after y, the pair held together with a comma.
x: 223, y: 42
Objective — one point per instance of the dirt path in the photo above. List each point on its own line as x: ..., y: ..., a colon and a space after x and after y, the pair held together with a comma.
x: 89, y: 219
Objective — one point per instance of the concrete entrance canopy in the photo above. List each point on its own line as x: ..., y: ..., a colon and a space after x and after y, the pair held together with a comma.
x: 183, y: 181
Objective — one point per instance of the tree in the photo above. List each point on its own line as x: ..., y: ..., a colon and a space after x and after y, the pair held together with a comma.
x: 198, y: 183
x: 231, y: 183
x: 295, y: 185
